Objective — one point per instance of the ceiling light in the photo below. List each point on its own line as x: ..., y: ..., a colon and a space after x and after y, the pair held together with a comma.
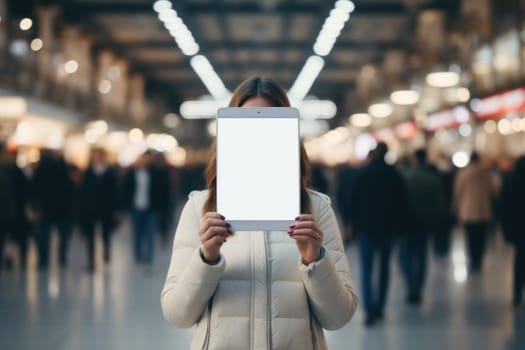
x: 104, y: 86
x: 199, y: 109
x: 136, y: 135
x: 463, y: 94
x: 161, y: 5
x: 100, y: 126
x: 317, y: 109
x: 346, y: 5
x: 490, y: 126
x: 305, y: 79
x: 360, y: 120
x: 460, y: 159
x: 212, y: 128
x: 380, y: 110
x: 504, y: 126
x: 26, y: 24
x: 171, y: 120
x: 71, y: 66
x: 168, y: 15
x: 209, y: 77
x: 442, y: 79
x: 36, y: 44
x: 404, y: 97
x: 465, y: 130
x: 516, y: 124
x: 91, y: 136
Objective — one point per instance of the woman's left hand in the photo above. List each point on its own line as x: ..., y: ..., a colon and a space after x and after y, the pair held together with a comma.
x: 308, y: 237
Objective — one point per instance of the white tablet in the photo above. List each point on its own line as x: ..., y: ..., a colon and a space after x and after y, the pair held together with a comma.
x: 258, y: 167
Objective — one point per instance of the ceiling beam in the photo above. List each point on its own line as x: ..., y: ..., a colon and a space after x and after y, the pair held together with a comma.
x: 276, y: 45
x: 220, y: 9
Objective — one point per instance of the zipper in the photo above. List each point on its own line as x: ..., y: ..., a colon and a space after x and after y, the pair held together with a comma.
x: 252, y: 285
x: 206, y: 343
x: 268, y: 291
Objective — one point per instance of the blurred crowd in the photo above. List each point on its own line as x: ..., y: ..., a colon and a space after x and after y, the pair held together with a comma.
x: 409, y: 207
x: 53, y: 195
x: 414, y: 203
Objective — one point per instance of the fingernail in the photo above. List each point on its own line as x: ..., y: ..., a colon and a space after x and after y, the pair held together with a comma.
x: 290, y: 232
x: 224, y: 241
x: 222, y: 216
x: 292, y: 226
x: 228, y: 225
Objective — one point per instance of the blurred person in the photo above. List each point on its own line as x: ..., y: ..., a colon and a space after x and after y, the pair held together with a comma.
x: 98, y: 204
x: 165, y: 208
x: 344, y: 180
x: 441, y: 237
x: 53, y: 191
x: 274, y: 295
x: 426, y: 210
x: 378, y: 208
x: 319, y: 181
x: 8, y: 194
x: 511, y: 213
x: 145, y: 192
x: 473, y: 194
x: 24, y: 222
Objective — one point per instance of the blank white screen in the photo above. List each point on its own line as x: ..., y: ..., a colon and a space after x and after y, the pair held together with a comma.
x: 258, y: 174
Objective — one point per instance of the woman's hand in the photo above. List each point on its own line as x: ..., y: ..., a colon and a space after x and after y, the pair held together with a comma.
x: 213, y: 233
x: 308, y: 237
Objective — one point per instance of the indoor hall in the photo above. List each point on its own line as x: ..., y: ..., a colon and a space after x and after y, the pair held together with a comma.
x: 410, y: 120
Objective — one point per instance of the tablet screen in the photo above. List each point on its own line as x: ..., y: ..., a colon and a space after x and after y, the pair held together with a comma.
x: 258, y: 170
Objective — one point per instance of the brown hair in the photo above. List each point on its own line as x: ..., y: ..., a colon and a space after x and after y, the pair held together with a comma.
x: 271, y: 91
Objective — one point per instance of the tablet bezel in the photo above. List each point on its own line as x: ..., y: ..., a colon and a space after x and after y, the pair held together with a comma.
x: 264, y: 113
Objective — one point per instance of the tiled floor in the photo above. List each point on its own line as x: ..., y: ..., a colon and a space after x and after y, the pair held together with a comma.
x: 118, y: 307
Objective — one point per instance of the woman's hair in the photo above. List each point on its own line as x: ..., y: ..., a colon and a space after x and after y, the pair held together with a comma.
x: 273, y: 93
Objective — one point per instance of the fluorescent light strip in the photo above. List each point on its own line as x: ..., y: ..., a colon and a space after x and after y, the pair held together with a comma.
x: 311, y: 69
x: 176, y: 27
x: 332, y: 27
x: 189, y: 47
x: 209, y: 77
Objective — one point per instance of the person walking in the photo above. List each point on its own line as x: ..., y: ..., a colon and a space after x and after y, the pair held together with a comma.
x: 473, y: 195
x: 512, y: 197
x: 427, y: 210
x: 273, y: 289
x: 378, y: 209
x: 53, y: 190
x: 146, y: 194
x: 98, y: 204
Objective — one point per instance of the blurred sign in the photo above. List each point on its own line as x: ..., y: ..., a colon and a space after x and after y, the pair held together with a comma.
x: 450, y: 118
x: 500, y: 104
x: 406, y: 130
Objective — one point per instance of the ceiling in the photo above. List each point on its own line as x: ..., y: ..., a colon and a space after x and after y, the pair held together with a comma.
x: 242, y: 38
x: 250, y: 37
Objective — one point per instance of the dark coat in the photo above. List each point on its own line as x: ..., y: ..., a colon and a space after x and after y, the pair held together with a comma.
x: 53, y: 189
x: 98, y: 194
x: 512, y: 206
x: 379, y: 204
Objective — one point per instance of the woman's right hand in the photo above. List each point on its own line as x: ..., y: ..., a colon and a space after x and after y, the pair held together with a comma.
x: 213, y: 233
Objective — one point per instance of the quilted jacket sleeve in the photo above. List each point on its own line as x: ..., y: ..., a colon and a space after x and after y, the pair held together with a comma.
x: 328, y: 281
x: 190, y: 282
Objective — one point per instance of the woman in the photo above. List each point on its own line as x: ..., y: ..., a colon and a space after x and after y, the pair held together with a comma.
x: 258, y: 290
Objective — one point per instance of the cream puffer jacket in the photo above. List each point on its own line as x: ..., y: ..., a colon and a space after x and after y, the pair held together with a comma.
x: 259, y: 295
